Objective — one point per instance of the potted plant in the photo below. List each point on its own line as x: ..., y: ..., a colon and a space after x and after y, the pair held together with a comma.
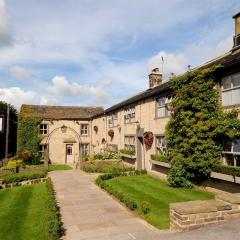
x: 111, y: 133
x: 95, y: 128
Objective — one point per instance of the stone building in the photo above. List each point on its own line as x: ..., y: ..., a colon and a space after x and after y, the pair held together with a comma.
x: 71, y: 132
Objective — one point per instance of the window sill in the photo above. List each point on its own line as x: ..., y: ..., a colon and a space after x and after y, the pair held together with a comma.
x: 231, y: 106
x: 156, y: 118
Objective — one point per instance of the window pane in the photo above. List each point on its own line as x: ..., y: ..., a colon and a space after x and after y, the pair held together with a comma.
x: 229, y: 159
x: 236, y: 80
x: 236, y: 96
x: 227, y: 98
x: 237, y: 157
x: 161, y: 112
x: 226, y: 82
x: 236, y: 145
x: 227, y: 146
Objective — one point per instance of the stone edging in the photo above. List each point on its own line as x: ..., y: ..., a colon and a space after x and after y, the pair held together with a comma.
x: 22, y: 183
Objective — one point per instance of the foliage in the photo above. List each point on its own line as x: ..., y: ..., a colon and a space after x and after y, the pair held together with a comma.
x: 160, y: 158
x: 144, y: 188
x: 197, y: 127
x: 105, y: 156
x: 127, y: 151
x: 105, y: 166
x: 19, y: 177
x: 28, y: 157
x: 35, y: 206
x: 229, y: 170
x: 57, y: 167
x: 12, y: 130
x: 145, y: 207
x: 55, y: 226
x: 15, y: 164
x: 28, y: 135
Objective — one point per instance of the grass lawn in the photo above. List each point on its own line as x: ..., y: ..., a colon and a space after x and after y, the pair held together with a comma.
x: 157, y: 193
x: 56, y: 167
x: 23, y: 212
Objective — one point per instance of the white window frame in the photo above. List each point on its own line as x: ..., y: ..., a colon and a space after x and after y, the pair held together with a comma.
x: 129, y: 115
x: 161, y: 145
x: 130, y: 142
x: 84, y: 129
x: 43, y: 128
x: 161, y: 106
x: 42, y: 148
x: 85, y: 149
x: 228, y: 92
x: 1, y: 124
x: 231, y: 154
x: 113, y: 120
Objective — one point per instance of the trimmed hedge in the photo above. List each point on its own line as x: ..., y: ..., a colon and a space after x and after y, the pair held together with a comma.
x: 127, y: 151
x: 53, y: 218
x: 19, y: 177
x: 229, y: 170
x: 123, y: 197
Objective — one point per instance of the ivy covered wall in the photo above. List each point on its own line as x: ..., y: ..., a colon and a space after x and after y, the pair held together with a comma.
x: 28, y: 137
x: 197, y: 127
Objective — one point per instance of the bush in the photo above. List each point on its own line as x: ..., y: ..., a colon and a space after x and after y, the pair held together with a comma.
x: 160, y: 158
x: 145, y: 207
x: 19, y: 177
x: 107, y: 155
x: 55, y: 228
x: 15, y: 164
x: 29, y: 158
x: 229, y: 170
x: 127, y: 151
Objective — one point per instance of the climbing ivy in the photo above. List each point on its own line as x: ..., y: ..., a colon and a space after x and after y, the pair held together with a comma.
x: 197, y: 127
x: 28, y: 135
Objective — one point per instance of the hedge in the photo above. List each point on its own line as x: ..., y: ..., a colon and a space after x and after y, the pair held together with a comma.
x: 229, y: 170
x: 123, y: 197
x: 160, y: 158
x: 19, y: 177
x: 53, y: 218
x: 127, y: 151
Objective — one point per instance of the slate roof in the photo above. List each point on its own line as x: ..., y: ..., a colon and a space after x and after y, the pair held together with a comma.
x: 59, y: 112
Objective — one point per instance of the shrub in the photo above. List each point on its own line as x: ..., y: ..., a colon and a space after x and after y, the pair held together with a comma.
x: 105, y: 156
x: 160, y: 158
x: 29, y: 158
x: 55, y: 226
x: 145, y: 207
x: 229, y: 170
x: 127, y: 151
x: 15, y: 164
x: 19, y: 177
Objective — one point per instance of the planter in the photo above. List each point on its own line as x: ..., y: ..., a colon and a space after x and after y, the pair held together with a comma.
x: 225, y: 177
x: 162, y: 164
x: 128, y: 156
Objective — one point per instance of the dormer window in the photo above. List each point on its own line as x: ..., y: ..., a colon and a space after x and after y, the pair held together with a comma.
x: 44, y: 129
x: 113, y: 120
x: 231, y: 90
x: 162, y: 109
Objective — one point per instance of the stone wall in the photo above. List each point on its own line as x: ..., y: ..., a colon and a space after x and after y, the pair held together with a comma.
x: 195, y: 214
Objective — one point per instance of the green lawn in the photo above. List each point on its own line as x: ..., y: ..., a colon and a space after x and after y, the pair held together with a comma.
x: 24, y: 212
x: 56, y: 167
x: 157, y: 193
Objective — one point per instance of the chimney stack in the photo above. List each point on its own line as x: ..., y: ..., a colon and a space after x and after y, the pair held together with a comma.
x: 155, y: 78
x: 236, y: 38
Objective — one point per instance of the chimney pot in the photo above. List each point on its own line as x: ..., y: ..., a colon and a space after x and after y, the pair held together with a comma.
x: 236, y: 38
x: 155, y: 78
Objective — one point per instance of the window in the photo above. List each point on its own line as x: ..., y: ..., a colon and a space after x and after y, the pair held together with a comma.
x: 129, y: 142
x: 161, y: 145
x: 85, y: 149
x: 112, y: 147
x: 43, y: 129
x: 231, y: 152
x: 231, y: 90
x: 129, y: 115
x: 112, y: 120
x: 42, y: 148
x: 84, y: 129
x: 162, y: 110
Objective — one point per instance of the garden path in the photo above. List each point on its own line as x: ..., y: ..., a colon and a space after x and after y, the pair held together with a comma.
x: 89, y: 213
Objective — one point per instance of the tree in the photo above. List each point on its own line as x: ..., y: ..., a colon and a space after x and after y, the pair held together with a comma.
x: 12, y: 130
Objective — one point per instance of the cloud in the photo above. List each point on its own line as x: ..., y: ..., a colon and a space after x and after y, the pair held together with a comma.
x: 16, y: 96
x: 19, y: 72
x: 61, y: 86
x: 48, y: 100
x: 5, y: 32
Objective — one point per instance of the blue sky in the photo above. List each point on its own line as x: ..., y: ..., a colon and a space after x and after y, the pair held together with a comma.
x: 92, y: 52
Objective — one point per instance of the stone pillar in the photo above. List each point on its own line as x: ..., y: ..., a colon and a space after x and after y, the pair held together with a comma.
x: 46, y: 158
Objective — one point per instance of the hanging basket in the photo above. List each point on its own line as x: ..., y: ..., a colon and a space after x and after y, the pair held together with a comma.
x: 111, y: 133
x: 148, y: 139
x: 95, y: 128
x: 103, y: 141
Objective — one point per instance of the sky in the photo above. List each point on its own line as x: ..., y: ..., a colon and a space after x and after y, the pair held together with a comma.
x: 100, y: 52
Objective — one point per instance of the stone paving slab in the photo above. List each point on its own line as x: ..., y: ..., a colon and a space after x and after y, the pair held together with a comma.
x: 89, y: 213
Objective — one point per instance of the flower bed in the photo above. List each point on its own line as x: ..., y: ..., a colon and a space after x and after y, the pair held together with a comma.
x: 229, y: 170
